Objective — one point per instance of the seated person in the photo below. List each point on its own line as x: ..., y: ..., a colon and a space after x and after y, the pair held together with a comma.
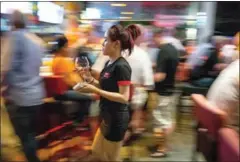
x: 63, y: 65
x: 224, y: 93
x: 201, y: 64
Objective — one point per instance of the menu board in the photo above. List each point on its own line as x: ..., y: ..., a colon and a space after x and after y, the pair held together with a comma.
x: 50, y: 13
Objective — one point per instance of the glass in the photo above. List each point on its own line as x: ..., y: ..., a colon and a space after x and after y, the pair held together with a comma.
x: 82, y: 64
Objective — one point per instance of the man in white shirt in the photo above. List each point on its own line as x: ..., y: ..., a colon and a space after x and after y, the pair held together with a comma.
x: 228, y: 53
x: 224, y: 93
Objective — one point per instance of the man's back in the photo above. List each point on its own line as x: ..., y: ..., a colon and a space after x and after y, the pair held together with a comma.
x: 167, y: 61
x: 224, y: 93
x: 140, y: 63
x: 25, y: 84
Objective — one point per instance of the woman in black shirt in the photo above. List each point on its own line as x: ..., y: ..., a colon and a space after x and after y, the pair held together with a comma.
x: 114, y: 89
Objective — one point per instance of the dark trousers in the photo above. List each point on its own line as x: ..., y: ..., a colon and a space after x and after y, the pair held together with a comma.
x: 83, y: 100
x: 203, y: 82
x: 24, y: 123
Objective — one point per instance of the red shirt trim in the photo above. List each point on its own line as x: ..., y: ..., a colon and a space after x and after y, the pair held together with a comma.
x: 124, y: 83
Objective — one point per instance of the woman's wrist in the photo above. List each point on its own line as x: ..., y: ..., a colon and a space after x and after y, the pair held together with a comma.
x: 97, y: 91
x: 91, y: 80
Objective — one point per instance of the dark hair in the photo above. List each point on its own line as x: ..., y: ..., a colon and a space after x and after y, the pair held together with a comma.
x: 61, y: 42
x: 117, y: 32
x: 18, y: 20
x: 134, y: 30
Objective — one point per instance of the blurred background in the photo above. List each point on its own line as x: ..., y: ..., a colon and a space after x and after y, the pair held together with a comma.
x: 188, y: 22
x: 191, y: 19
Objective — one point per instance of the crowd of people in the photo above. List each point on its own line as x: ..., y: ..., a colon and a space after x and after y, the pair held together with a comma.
x: 124, y: 77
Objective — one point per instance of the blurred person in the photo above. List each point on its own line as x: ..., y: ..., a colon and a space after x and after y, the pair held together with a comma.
x: 115, y: 92
x: 142, y: 77
x: 72, y: 32
x: 201, y: 63
x: 227, y: 52
x: 75, y: 36
x: 224, y: 93
x: 190, y: 46
x: 167, y: 62
x: 64, y: 65
x: 176, y: 43
x: 11, y: 148
x: 25, y: 86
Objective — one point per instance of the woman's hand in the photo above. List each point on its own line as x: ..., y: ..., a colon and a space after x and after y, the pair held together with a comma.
x: 87, y: 88
x: 85, y: 74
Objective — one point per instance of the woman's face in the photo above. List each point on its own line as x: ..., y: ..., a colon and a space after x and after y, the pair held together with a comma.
x: 109, y: 47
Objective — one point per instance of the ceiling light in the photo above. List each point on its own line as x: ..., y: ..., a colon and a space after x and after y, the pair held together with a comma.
x: 125, y: 17
x: 119, y: 4
x: 127, y: 13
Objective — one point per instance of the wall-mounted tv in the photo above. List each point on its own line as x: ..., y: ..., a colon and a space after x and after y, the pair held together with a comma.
x: 50, y: 13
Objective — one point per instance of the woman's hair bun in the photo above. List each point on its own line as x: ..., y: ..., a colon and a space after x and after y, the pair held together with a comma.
x: 134, y: 30
x: 117, y: 32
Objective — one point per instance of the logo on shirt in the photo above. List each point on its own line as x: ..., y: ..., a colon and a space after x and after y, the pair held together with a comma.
x: 106, y: 75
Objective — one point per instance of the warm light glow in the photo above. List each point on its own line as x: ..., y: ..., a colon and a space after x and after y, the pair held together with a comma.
x: 125, y: 17
x: 127, y: 13
x: 119, y: 4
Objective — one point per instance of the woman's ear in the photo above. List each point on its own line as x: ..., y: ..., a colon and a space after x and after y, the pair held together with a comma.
x: 117, y: 44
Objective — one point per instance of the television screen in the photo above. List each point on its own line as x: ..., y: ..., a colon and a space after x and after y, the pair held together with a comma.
x: 50, y: 13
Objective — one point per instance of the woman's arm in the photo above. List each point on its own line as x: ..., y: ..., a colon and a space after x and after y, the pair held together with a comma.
x: 121, y: 97
x: 95, y: 82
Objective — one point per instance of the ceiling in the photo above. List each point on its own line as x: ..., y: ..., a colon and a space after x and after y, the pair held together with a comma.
x: 138, y: 10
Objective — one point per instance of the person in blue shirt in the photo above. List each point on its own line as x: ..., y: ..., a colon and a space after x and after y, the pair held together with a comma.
x: 25, y: 86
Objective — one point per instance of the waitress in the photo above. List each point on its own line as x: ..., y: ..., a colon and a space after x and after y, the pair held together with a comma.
x: 114, y: 89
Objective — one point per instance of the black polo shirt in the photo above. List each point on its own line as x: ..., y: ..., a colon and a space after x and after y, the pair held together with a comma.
x: 115, y: 115
x: 167, y: 62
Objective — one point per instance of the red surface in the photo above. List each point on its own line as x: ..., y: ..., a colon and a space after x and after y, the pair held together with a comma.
x: 207, y: 115
x: 228, y: 150
x: 54, y: 85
